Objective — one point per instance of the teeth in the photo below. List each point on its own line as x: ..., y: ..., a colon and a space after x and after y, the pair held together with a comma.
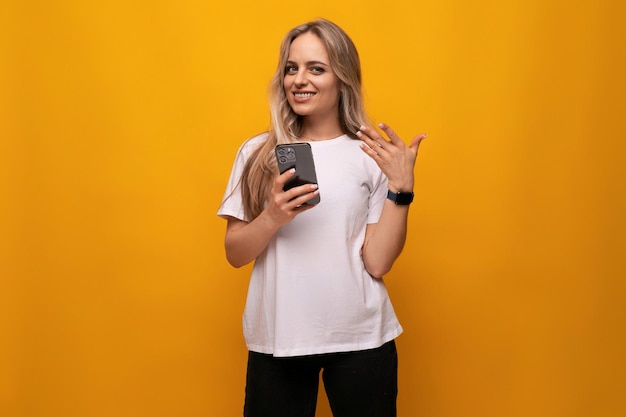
x: 304, y: 95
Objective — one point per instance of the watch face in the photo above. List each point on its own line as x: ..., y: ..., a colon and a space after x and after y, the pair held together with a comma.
x: 404, y: 198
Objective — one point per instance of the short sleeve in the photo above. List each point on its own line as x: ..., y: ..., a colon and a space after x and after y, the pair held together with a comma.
x: 377, y: 197
x: 232, y: 202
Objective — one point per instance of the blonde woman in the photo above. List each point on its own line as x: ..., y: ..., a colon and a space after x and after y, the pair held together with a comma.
x: 316, y: 299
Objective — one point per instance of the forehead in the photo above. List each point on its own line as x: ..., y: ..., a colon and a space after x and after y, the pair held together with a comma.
x: 308, y: 47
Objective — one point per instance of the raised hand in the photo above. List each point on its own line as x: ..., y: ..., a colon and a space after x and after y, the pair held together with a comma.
x: 393, y: 156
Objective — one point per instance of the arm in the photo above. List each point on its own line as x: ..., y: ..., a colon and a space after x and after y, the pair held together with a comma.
x: 384, y: 240
x: 244, y: 241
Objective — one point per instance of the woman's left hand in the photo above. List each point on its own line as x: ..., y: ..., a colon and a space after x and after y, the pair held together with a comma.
x: 394, y: 157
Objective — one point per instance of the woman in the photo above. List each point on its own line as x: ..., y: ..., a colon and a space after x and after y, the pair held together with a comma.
x: 316, y: 299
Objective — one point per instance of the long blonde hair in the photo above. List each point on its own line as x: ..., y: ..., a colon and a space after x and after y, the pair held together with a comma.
x: 286, y: 126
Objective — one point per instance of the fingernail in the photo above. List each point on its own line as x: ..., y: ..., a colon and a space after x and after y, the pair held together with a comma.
x: 313, y: 186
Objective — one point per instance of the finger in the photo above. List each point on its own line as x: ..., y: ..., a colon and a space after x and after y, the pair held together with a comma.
x: 283, y: 178
x: 301, y: 198
x: 370, y: 151
x: 295, y: 194
x: 304, y: 207
x: 395, y: 139
x: 366, y: 130
x: 415, y: 143
x: 371, y: 137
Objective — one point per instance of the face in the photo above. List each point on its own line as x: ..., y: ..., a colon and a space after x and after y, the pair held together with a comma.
x: 311, y: 86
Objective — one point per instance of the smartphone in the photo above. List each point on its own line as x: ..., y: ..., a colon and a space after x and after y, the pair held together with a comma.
x: 300, y: 157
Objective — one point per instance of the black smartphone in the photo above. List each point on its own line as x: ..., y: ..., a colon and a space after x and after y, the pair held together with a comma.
x: 300, y: 157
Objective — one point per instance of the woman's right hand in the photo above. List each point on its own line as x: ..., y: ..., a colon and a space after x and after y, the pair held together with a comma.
x: 245, y: 241
x: 284, y: 206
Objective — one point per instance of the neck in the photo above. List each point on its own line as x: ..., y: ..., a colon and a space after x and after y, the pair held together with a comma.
x: 321, y: 132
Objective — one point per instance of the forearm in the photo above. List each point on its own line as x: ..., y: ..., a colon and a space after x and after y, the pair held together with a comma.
x: 386, y: 240
x: 244, y: 242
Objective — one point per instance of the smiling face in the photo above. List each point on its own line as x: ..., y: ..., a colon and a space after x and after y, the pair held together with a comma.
x: 312, y: 88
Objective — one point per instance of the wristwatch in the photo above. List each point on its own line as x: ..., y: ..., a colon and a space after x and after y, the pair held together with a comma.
x: 401, y: 198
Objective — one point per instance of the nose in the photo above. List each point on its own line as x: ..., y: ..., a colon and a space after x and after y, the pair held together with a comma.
x: 300, y: 77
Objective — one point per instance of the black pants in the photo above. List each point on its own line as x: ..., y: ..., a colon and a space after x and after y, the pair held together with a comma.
x: 358, y: 384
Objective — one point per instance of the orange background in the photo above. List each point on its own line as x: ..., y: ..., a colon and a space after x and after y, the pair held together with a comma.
x: 120, y: 121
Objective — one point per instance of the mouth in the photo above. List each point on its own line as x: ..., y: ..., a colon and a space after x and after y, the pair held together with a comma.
x: 303, y: 95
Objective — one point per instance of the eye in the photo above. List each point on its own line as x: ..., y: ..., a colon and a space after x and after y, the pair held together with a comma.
x: 317, y: 70
x: 291, y: 69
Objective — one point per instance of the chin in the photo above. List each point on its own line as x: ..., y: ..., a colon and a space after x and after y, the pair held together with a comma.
x: 300, y: 111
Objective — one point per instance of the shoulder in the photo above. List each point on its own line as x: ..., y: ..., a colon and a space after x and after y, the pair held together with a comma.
x: 248, y: 146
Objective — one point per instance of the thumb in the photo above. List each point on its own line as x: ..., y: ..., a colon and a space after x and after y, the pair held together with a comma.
x: 415, y: 143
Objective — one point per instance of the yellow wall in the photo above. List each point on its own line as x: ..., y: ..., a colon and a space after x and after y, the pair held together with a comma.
x: 119, y: 123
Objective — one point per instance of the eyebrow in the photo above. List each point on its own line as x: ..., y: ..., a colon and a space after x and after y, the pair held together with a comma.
x: 310, y: 63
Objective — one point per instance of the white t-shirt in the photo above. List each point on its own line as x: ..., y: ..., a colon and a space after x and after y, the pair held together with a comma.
x: 309, y: 292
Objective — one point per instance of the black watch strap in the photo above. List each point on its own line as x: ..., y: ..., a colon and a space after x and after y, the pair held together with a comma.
x: 401, y: 198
